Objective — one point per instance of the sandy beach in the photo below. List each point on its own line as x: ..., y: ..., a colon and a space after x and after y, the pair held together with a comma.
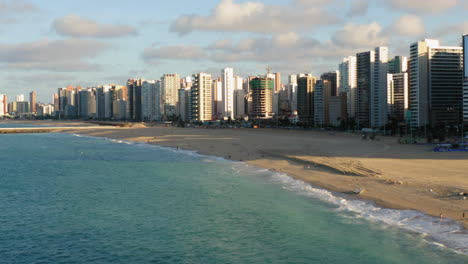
x: 392, y: 175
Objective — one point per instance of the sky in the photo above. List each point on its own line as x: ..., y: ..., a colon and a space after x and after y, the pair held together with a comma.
x: 49, y: 44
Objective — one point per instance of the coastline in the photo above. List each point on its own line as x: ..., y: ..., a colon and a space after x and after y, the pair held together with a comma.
x: 403, y: 177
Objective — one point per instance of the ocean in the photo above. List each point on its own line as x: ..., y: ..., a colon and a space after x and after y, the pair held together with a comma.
x: 71, y: 199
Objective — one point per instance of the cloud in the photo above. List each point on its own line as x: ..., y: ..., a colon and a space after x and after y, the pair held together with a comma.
x: 408, y: 25
x: 423, y: 6
x: 359, y: 8
x: 458, y: 29
x: 291, y: 50
x: 176, y: 52
x: 78, y: 27
x: 58, y: 55
x: 256, y: 17
x: 16, y: 6
x: 360, y: 36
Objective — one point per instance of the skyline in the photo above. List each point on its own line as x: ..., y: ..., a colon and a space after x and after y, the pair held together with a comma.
x: 290, y: 36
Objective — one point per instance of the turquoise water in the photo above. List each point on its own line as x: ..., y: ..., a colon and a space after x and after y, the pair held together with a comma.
x: 69, y: 199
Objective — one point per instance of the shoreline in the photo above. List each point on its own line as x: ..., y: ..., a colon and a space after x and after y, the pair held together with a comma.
x: 402, y: 177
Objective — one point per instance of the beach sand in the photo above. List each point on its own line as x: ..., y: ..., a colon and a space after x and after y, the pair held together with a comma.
x: 392, y: 175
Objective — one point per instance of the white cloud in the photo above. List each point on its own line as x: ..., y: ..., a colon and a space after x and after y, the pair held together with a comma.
x: 76, y: 26
x: 176, y: 52
x: 359, y: 7
x: 360, y: 36
x: 255, y: 17
x: 454, y: 29
x: 423, y: 6
x: 408, y: 25
x: 16, y: 6
x: 57, y: 55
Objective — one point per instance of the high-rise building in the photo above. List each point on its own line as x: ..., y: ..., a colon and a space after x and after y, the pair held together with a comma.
x: 322, y: 93
x: 436, y: 84
x: 87, y: 102
x: 239, y: 103
x: 364, y: 64
x: 3, y: 105
x: 32, y: 101
x: 333, y: 78
x: 465, y: 78
x: 398, y: 64
x: 378, y: 92
x: 201, y: 98
x: 348, y: 83
x: 262, y: 89
x: 218, y: 104
x: 228, y: 92
x: 151, y: 97
x: 170, y: 85
x: 398, y: 96
x: 19, y: 98
x: 305, y: 98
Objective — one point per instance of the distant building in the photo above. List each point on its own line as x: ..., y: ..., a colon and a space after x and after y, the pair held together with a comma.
x: 398, y: 64
x: 305, y: 98
x: 262, y: 89
x: 348, y: 83
x: 365, y: 61
x: 465, y: 78
x: 3, y: 105
x: 201, y: 98
x: 436, y: 84
x: 33, y: 102
x: 170, y: 85
x: 398, y: 96
x: 378, y: 91
x: 227, y: 93
x: 322, y: 94
x: 333, y: 78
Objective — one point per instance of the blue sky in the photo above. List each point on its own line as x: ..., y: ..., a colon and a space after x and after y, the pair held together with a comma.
x: 49, y: 44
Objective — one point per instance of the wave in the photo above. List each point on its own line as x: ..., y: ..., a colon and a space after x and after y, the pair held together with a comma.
x: 443, y: 233
x: 446, y: 233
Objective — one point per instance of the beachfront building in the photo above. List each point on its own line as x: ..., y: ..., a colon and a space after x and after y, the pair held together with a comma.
x: 201, y: 98
x: 322, y: 94
x: 465, y: 79
x: 262, y: 89
x: 228, y: 93
x: 33, y: 102
x: 398, y: 64
x: 436, y: 84
x: 134, y: 99
x: 87, y: 102
x: 364, y: 62
x: 170, y: 85
x: 397, y: 96
x: 3, y: 105
x: 150, y: 100
x: 305, y: 98
x: 348, y: 83
x: 334, y: 79
x: 378, y: 88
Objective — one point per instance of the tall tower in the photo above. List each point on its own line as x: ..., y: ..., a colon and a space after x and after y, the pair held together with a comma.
x: 170, y: 85
x: 348, y: 83
x: 228, y: 92
x: 262, y: 89
x: 378, y: 97
x: 465, y: 78
x: 201, y: 98
x: 365, y: 61
x: 436, y: 84
x: 32, y: 102
x: 305, y: 98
